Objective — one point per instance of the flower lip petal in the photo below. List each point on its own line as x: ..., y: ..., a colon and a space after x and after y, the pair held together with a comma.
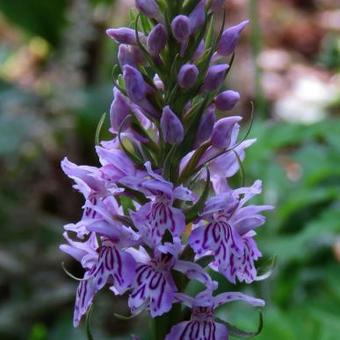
x: 219, y: 203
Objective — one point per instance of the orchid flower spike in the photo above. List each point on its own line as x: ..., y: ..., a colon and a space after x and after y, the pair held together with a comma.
x: 161, y: 207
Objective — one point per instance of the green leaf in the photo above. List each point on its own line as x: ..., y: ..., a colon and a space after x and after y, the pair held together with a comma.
x: 99, y: 128
x: 189, y: 6
x: 69, y: 274
x: 146, y: 24
x: 190, y: 134
x: 138, y: 161
x: 127, y: 204
x: 209, y: 38
x: 126, y: 220
x: 242, y: 172
x: 194, y: 211
x: 169, y: 163
x: 138, y: 196
x: 266, y: 268
x: 190, y: 168
x: 205, y: 261
x: 123, y: 317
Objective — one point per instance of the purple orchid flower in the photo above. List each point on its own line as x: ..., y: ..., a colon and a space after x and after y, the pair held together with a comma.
x: 92, y: 184
x: 226, y: 231
x: 141, y: 224
x: 202, y: 324
x: 155, y: 217
x: 154, y: 287
x: 115, y: 164
x: 223, y: 156
x: 93, y: 214
x: 104, y: 264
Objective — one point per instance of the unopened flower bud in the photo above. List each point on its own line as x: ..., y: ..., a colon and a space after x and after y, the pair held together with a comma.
x: 181, y: 28
x: 230, y: 38
x: 223, y: 132
x: 119, y: 110
x: 227, y: 100
x: 187, y: 76
x: 157, y: 40
x: 172, y: 128
x: 124, y: 35
x: 148, y: 8
x: 134, y: 83
x: 197, y: 16
x: 215, y: 77
x: 129, y: 55
x: 158, y: 82
x: 206, y: 125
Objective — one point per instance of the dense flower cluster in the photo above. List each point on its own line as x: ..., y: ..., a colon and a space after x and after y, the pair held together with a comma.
x: 160, y: 204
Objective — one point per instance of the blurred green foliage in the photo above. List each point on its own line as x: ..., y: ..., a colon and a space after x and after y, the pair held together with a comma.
x: 43, y: 18
x: 300, y: 169
x: 330, y: 55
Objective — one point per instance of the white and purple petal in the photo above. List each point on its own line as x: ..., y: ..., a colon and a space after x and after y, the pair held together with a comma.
x: 154, y: 218
x: 223, y: 241
x: 193, y: 271
x: 84, y: 298
x: 113, y: 266
x: 153, y: 289
x: 198, y: 329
